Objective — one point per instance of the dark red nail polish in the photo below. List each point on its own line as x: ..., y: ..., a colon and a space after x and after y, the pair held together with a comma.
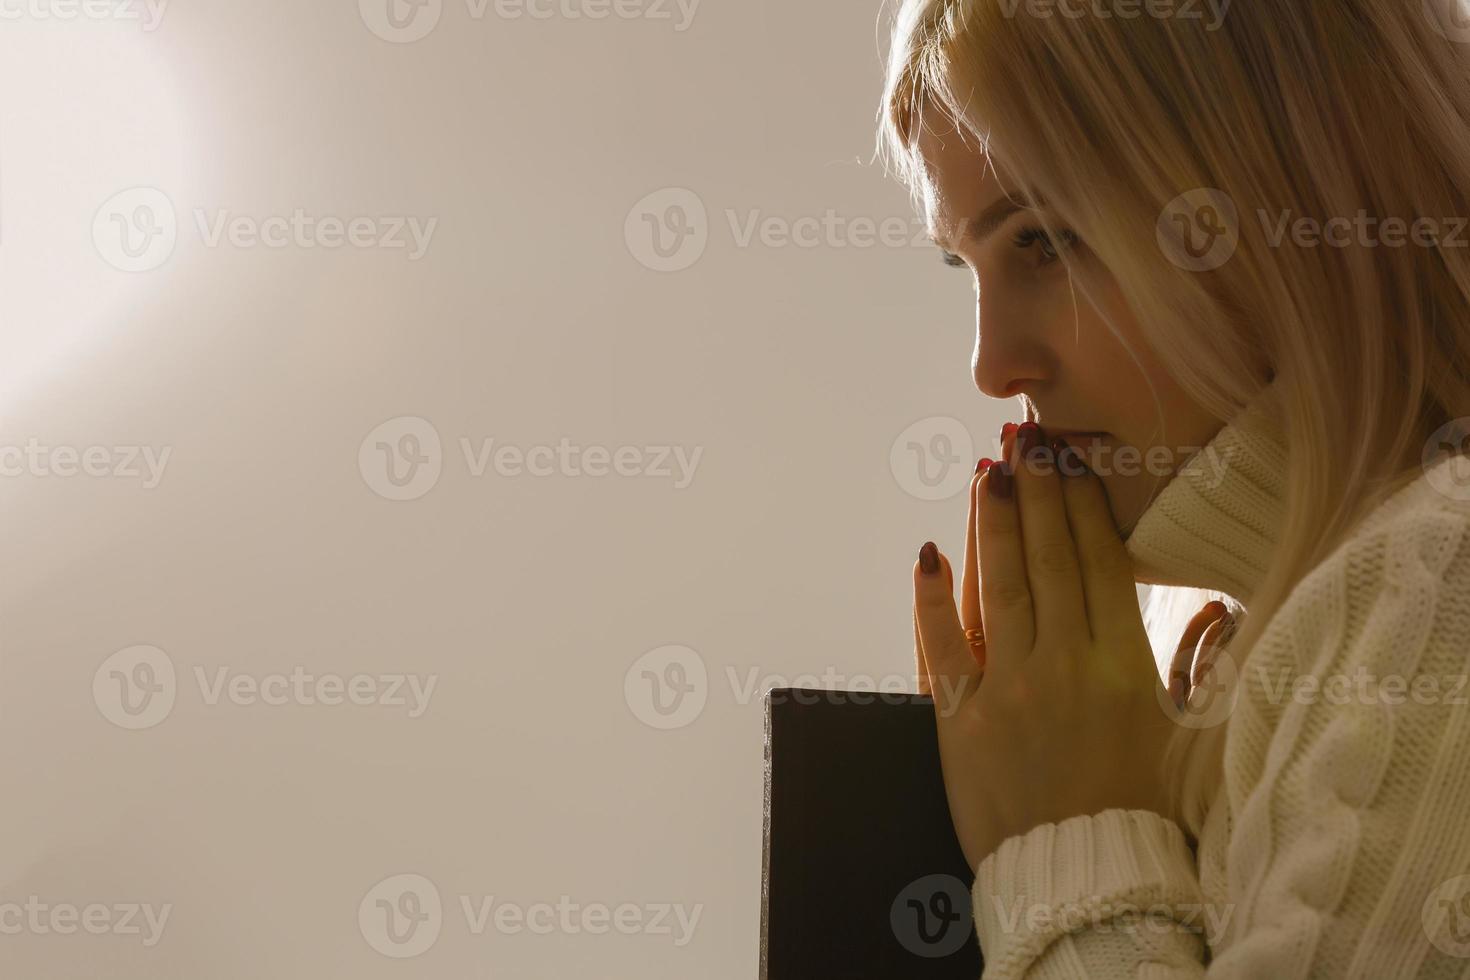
x: 1001, y: 481
x: 1006, y: 430
x: 985, y: 463
x: 929, y: 558
x: 1028, y: 434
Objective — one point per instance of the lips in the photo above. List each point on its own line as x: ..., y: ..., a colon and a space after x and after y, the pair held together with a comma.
x: 1083, y: 439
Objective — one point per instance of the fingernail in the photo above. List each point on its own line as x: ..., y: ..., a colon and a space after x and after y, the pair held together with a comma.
x: 1008, y: 431
x: 1028, y: 434
x: 1000, y: 479
x: 929, y: 558
x: 985, y: 463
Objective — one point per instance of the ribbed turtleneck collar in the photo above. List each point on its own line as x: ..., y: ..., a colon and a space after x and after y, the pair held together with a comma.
x: 1216, y: 523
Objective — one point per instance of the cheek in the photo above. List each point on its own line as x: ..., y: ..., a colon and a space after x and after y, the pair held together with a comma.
x: 1098, y: 359
x: 1110, y: 357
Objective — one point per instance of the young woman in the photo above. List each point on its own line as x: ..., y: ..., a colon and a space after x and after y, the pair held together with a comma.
x: 1221, y: 257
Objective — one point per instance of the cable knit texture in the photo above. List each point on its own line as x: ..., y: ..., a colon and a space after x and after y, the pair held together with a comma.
x: 1339, y: 841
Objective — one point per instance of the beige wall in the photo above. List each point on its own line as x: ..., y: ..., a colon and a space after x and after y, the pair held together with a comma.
x: 265, y: 540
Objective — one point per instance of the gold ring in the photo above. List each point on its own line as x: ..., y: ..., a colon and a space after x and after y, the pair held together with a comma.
x: 975, y: 637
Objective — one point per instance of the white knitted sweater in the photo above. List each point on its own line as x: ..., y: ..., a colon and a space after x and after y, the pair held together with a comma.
x: 1339, y: 845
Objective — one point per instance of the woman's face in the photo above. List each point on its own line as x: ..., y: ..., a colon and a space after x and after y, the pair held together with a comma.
x: 1039, y: 339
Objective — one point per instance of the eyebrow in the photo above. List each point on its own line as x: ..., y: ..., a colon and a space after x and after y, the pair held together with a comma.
x: 986, y: 222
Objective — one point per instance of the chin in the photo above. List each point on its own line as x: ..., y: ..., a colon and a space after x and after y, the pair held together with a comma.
x: 1128, y: 498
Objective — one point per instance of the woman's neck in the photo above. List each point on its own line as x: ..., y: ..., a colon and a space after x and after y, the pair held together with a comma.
x: 1216, y: 524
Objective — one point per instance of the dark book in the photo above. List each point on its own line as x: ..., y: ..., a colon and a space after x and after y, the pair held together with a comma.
x: 862, y: 876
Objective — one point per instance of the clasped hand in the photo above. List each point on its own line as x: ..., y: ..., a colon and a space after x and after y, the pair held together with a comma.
x: 1059, y: 710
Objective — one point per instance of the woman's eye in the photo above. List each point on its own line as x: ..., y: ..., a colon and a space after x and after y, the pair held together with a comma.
x: 952, y: 260
x: 1027, y: 237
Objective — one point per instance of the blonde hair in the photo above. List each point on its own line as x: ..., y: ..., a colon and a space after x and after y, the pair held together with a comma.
x: 1324, y: 109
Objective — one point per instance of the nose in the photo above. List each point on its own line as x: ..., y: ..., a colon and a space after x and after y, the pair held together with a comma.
x: 1010, y: 357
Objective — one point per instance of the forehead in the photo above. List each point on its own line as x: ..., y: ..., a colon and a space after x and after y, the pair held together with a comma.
x: 956, y: 177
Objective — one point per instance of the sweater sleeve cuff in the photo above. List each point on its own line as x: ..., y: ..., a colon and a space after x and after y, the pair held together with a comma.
x: 1065, y: 877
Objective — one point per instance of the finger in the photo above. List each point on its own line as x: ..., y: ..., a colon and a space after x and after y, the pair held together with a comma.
x: 921, y: 668
x: 952, y: 671
x: 973, y: 612
x: 1005, y: 595
x: 970, y: 575
x: 921, y: 665
x: 1209, y: 646
x: 1110, y: 594
x: 1183, y: 660
x: 1051, y: 555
